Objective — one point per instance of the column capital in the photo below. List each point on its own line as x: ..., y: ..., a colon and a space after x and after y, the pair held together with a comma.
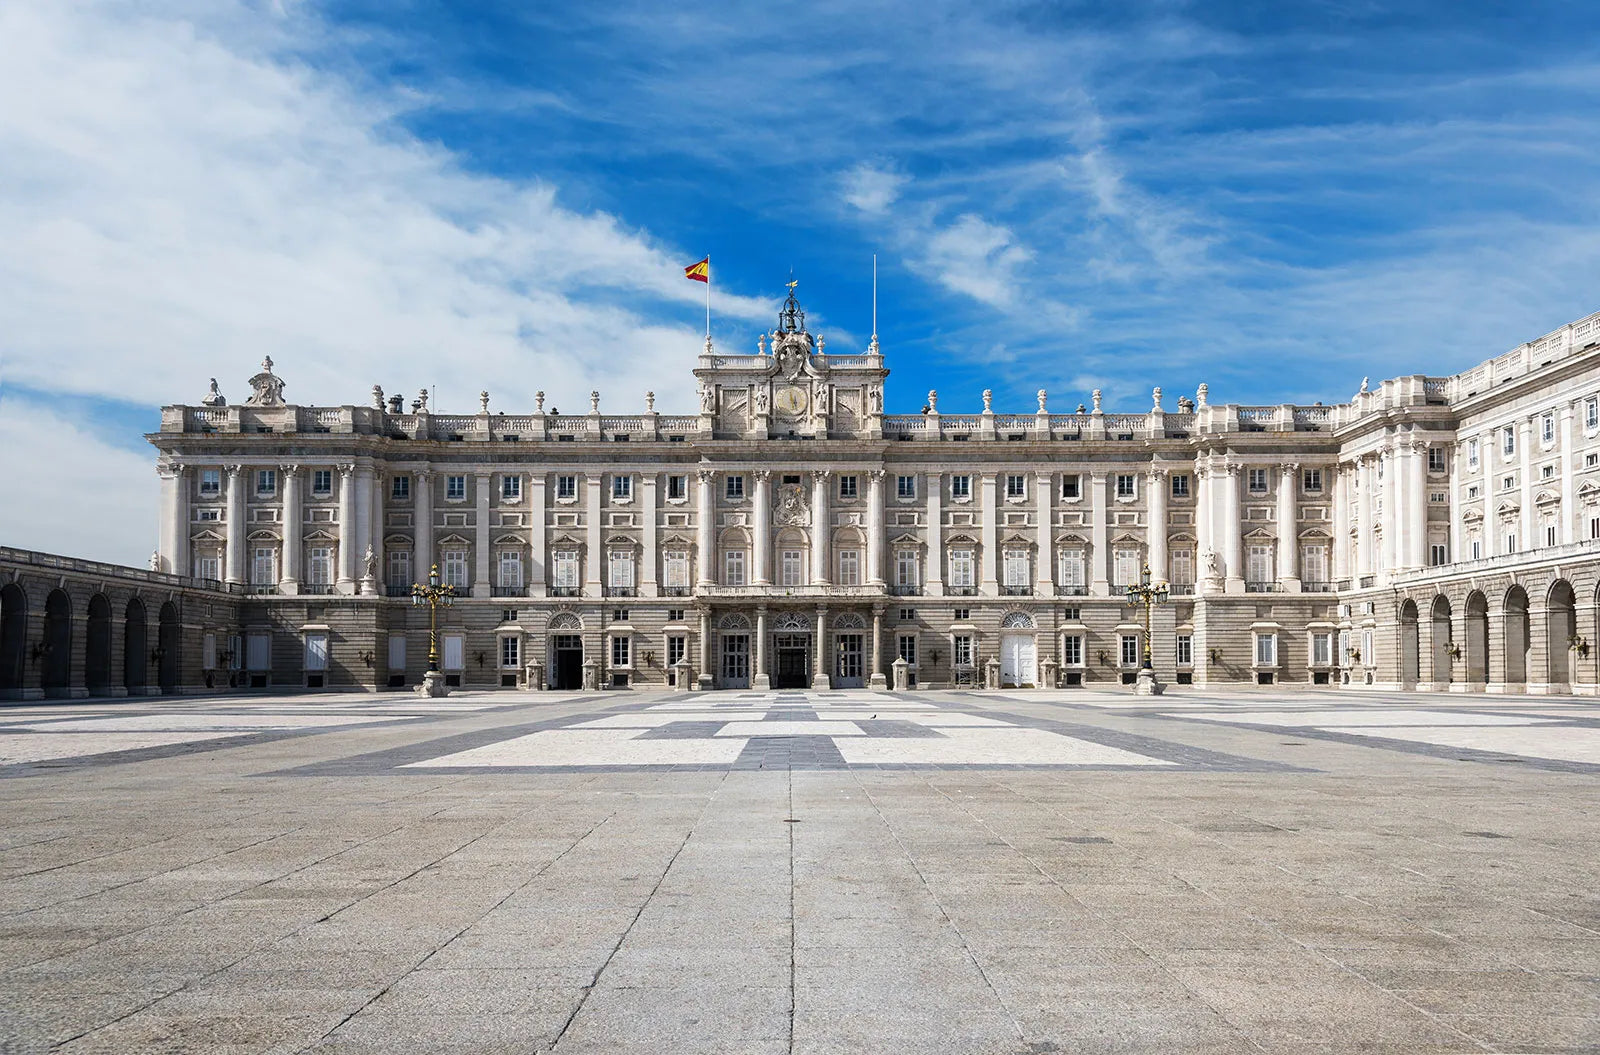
x: 347, y: 470
x: 233, y: 470
x: 761, y: 475
x: 706, y: 475
x: 876, y: 475
x: 1289, y: 468
x: 1156, y: 472
x: 423, y: 475
x: 289, y: 469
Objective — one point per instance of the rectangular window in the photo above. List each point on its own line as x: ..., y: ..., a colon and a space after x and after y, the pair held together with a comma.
x: 675, y: 615
x: 1547, y: 472
x: 400, y: 488
x: 1016, y: 486
x: 1267, y: 650
x: 511, y: 570
x: 455, y: 651
x: 1314, y: 563
x: 1550, y: 535
x: 1508, y: 483
x: 791, y: 568
x: 1477, y: 547
x: 905, y: 567
x: 961, y: 650
x: 455, y: 488
x: 397, y: 653
x: 1321, y: 650
x: 1125, y: 485
x: 677, y: 569
x: 620, y: 570
x: 260, y: 652
x: 564, y: 569
x: 1436, y: 554
x: 511, y: 488
x: 960, y: 487
x: 1472, y: 453
x: 206, y: 568
x: 1182, y: 562
x: 622, y: 651
x: 399, y: 568
x: 907, y: 614
x: 319, y: 569
x: 677, y: 488
x: 905, y: 487
x: 1591, y: 460
x: 908, y: 648
x: 1311, y: 480
x: 1594, y: 527
x: 677, y: 646
x: 962, y: 614
x: 566, y: 487
x: 510, y: 652
x: 621, y: 488
x: 210, y: 482
x: 1180, y: 485
x: 1261, y: 564
x: 961, y: 567
x: 1508, y: 440
x: 734, y: 566
x: 1130, y: 650
x: 734, y: 488
x: 263, y: 567
x: 1437, y: 497
x: 1474, y: 491
x: 1547, y: 429
x: 849, y: 567
x: 1436, y: 459
x: 1127, y: 565
x: 454, y: 568
x: 1071, y: 567
x: 316, y: 652
x: 1016, y: 565
x: 847, y: 486
x: 1258, y: 480
x: 1185, y: 649
x: 1071, y: 486
x: 1072, y: 650
x: 322, y: 481
x: 266, y: 481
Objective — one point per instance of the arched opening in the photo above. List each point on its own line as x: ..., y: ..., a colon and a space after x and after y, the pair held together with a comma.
x: 55, y: 662
x: 13, y: 639
x: 1561, y: 633
x: 1516, y: 636
x: 566, y: 652
x: 97, y: 647
x: 135, y: 648
x: 1410, y: 646
x: 1477, y: 640
x: 1442, y: 640
x: 168, y: 649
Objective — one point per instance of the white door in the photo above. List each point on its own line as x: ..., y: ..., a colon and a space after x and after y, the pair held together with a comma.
x: 1016, y: 661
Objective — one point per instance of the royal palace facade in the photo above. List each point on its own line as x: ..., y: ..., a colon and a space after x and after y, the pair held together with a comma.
x: 1433, y: 533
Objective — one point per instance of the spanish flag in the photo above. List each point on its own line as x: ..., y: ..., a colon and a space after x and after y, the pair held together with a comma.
x: 700, y: 272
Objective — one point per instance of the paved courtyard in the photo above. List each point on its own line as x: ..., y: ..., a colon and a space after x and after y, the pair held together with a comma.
x: 801, y: 872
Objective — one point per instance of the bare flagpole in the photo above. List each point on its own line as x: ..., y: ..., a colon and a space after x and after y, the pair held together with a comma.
x: 874, y: 296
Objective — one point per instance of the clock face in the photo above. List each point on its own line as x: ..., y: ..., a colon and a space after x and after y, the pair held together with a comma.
x: 790, y: 400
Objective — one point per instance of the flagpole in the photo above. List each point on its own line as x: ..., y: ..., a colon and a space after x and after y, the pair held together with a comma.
x: 708, y: 296
x: 874, y: 295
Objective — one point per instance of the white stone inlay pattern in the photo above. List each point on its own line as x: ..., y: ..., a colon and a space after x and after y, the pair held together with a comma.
x: 237, y: 722
x: 46, y: 747
x: 591, y: 747
x: 1558, y: 744
x: 1400, y: 717
x: 750, y: 729
x: 977, y: 747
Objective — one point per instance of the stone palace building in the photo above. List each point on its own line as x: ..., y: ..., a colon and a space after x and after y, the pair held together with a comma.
x: 1434, y: 533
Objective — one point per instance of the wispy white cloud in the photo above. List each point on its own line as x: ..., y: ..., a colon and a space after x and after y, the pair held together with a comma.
x: 872, y: 188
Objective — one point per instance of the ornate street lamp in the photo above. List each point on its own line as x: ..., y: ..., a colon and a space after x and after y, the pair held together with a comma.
x: 433, y: 595
x: 1148, y: 594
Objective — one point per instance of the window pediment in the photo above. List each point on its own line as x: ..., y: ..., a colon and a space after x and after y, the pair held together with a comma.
x: 510, y: 540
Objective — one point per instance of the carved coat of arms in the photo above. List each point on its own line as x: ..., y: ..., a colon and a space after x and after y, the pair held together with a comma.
x: 794, y: 507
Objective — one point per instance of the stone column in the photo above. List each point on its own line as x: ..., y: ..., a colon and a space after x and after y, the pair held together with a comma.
x: 1155, y: 482
x: 820, y: 678
x: 237, y: 528
x: 821, y: 526
x: 363, y: 500
x: 481, y: 584
x: 934, y: 577
x: 375, y: 516
x: 1366, y: 539
x: 537, y: 539
x: 991, y: 535
x: 1230, y: 521
x: 173, y: 530
x: 877, y: 680
x: 651, y: 558
x: 1525, y: 527
x: 1455, y: 545
x: 761, y: 559
x: 1488, y: 454
x: 422, y: 525
x: 1414, y: 506
x: 595, y: 557
x: 1568, y: 531
x: 705, y: 532
x: 1341, y: 522
x: 875, y: 527
x: 1044, y: 573
x: 707, y: 679
x: 760, y: 679
x: 1205, y: 538
x: 1288, y: 534
x: 290, y: 572
x: 348, y: 534
x: 1100, y: 535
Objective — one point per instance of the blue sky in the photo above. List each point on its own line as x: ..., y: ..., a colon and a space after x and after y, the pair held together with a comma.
x: 1275, y: 199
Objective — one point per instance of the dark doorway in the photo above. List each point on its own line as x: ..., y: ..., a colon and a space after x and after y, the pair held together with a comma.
x: 97, y: 647
x: 1561, y: 634
x: 55, y: 675
x: 1442, y: 641
x: 171, y: 636
x: 1477, y: 640
x: 567, y: 660
x: 1410, y: 646
x: 792, y: 668
x: 135, y: 648
x: 1516, y: 636
x: 13, y: 639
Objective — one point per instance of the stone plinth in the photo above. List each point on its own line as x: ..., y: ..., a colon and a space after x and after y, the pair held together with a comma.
x: 1147, y: 685
x: 433, y: 684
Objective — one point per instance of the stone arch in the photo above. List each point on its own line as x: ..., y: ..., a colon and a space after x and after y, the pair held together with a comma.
x: 135, y: 647
x: 1477, y: 643
x: 733, y: 621
x: 1017, y: 621
x: 1410, y: 645
x: 1561, y: 633
x: 169, y: 647
x: 97, y: 647
x: 1439, y: 615
x: 565, y: 621
x: 13, y: 639
x: 849, y: 621
x: 55, y: 664
x: 1514, y: 635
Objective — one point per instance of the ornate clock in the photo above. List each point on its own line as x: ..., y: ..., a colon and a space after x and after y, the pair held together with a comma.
x: 790, y: 401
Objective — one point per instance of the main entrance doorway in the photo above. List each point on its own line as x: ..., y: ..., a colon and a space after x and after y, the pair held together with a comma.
x: 848, y: 669
x: 792, y: 653
x: 736, y: 661
x: 566, y: 660
x: 1017, y: 661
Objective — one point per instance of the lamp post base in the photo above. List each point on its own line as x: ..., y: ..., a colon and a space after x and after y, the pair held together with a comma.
x: 433, y: 684
x: 1147, y: 685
